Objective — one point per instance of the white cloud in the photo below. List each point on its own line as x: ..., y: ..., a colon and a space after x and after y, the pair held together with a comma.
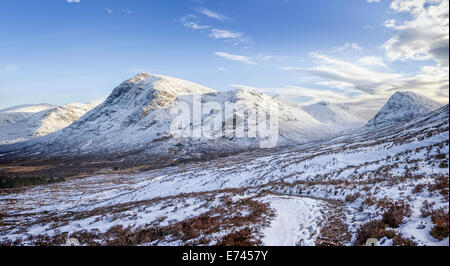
x: 212, y: 14
x: 188, y: 18
x: 336, y: 84
x: 431, y: 81
x: 191, y: 22
x: 373, y: 1
x: 195, y: 26
x: 229, y: 36
x: 337, y: 70
x: 372, y: 61
x: 225, y: 34
x: 240, y: 58
x: 268, y: 57
x: 425, y: 36
x: 109, y: 11
x: 390, y: 23
x: 347, y: 46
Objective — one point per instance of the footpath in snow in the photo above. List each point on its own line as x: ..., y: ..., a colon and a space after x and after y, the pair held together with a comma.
x: 295, y: 222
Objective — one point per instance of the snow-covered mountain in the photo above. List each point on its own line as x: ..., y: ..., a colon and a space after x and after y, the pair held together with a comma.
x: 338, y: 116
x: 33, y: 121
x: 136, y: 119
x: 389, y: 183
x: 13, y: 114
x: 403, y: 107
x: 28, y: 108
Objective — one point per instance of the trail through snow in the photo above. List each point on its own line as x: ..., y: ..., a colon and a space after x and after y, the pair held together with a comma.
x: 295, y: 221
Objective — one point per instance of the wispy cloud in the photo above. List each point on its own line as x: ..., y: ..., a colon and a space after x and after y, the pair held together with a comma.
x: 431, y: 81
x: 225, y: 34
x: 195, y: 26
x: 336, y: 84
x: 108, y: 10
x: 233, y: 57
x: 333, y: 69
x: 192, y: 21
x: 269, y: 57
x: 390, y: 23
x: 347, y: 46
x: 372, y: 61
x: 188, y: 18
x: 212, y: 14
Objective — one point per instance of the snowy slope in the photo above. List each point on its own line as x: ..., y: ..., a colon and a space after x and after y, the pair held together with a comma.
x: 28, y: 108
x: 338, y: 116
x: 321, y: 193
x: 40, y: 123
x: 295, y: 221
x: 136, y: 119
x: 17, y: 113
x: 294, y: 124
x: 403, y: 107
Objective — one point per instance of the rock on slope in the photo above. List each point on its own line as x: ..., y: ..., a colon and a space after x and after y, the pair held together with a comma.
x: 22, y: 124
x: 339, y: 116
x: 403, y: 107
x: 135, y: 120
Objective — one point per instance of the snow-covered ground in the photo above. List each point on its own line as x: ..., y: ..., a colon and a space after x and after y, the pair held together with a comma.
x: 388, y: 180
x: 300, y: 194
x: 295, y: 221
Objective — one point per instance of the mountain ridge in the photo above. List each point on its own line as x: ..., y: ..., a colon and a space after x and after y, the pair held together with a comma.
x: 337, y: 115
x: 403, y: 107
x: 136, y: 119
x: 29, y: 125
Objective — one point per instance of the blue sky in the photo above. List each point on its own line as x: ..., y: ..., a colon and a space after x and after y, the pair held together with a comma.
x: 353, y: 51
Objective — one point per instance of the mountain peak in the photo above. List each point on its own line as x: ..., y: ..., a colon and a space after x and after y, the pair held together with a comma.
x: 338, y: 115
x: 403, y: 107
x: 157, y: 90
x: 139, y: 77
x: 28, y: 108
x: 408, y: 94
x: 323, y: 103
